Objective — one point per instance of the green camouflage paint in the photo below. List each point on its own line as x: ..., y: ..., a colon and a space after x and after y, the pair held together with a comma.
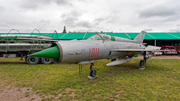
x: 112, y: 38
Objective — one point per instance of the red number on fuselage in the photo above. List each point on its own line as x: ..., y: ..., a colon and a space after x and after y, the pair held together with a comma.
x: 93, y: 52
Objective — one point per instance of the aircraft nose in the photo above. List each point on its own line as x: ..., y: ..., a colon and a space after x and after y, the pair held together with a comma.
x: 52, y: 53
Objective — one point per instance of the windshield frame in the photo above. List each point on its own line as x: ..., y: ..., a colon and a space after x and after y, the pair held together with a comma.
x: 99, y: 36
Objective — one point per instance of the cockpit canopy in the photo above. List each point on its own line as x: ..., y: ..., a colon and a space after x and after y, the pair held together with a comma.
x: 110, y: 38
x: 100, y: 37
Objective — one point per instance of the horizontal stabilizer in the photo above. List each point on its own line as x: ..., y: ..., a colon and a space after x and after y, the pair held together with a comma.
x: 153, y: 47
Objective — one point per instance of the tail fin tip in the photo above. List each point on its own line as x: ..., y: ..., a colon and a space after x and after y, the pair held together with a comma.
x: 144, y: 32
x: 140, y: 38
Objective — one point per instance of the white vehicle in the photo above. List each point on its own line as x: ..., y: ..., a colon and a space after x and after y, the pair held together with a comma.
x: 157, y: 53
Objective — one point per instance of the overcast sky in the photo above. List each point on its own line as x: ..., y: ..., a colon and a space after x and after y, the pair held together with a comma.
x: 90, y: 15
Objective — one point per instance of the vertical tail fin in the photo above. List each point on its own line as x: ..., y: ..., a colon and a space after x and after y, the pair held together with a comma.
x: 140, y: 38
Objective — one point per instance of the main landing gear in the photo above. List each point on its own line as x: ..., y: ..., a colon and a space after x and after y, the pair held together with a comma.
x: 143, y: 62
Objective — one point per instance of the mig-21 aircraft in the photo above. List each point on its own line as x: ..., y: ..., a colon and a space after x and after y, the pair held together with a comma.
x: 99, y: 46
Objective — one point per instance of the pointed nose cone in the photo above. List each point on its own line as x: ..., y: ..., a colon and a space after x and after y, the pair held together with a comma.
x: 52, y: 53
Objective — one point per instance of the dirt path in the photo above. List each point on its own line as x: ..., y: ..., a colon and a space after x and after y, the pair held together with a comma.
x: 18, y: 94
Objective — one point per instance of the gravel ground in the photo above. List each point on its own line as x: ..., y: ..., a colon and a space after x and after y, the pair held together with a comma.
x: 18, y: 94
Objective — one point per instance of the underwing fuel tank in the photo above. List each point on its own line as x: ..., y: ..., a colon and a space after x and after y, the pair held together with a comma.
x: 118, y: 62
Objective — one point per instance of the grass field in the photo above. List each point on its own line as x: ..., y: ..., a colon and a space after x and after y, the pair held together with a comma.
x: 159, y: 81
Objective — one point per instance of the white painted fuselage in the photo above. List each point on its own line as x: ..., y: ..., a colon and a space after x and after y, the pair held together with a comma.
x: 85, y: 50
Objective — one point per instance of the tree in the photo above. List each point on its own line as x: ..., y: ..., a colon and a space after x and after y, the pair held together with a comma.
x: 64, y: 31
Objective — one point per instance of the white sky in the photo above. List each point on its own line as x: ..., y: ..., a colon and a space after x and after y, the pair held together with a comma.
x: 89, y: 15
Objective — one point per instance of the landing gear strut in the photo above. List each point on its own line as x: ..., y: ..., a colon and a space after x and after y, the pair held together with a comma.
x: 92, y: 71
x: 21, y: 56
x: 143, y: 62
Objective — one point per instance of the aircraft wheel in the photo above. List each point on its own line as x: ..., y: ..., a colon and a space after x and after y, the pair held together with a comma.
x: 163, y: 53
x: 113, y: 60
x: 46, y: 61
x: 32, y: 60
x: 142, y: 63
x: 54, y: 61
x: 92, y: 73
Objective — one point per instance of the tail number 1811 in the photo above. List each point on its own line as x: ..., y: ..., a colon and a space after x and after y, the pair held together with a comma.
x: 93, y: 52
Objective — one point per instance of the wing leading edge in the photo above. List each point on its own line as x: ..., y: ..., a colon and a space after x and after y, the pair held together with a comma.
x: 149, y: 48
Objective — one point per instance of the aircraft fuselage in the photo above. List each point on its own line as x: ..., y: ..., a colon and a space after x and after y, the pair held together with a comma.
x: 85, y: 50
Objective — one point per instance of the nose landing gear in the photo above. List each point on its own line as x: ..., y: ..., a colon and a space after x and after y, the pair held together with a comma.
x: 92, y: 72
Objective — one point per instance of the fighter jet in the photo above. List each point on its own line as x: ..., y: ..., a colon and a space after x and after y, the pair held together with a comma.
x: 99, y: 46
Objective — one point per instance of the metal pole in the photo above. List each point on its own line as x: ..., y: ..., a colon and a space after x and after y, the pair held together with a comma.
x: 154, y: 42
x: 81, y: 67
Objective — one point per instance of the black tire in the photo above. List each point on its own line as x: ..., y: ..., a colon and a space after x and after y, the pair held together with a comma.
x: 141, y: 64
x: 163, y: 53
x: 93, y: 73
x: 54, y: 61
x: 32, y: 60
x: 46, y: 61
x: 113, y: 60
